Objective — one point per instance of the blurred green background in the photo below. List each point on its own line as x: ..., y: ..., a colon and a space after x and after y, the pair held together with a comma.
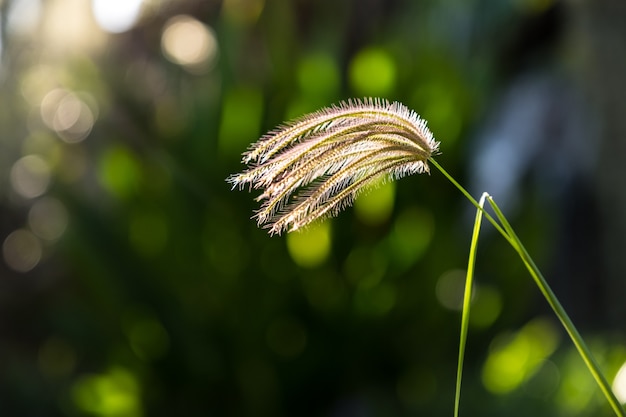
x: 134, y: 283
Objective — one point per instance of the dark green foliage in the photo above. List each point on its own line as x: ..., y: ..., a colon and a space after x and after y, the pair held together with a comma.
x: 162, y: 297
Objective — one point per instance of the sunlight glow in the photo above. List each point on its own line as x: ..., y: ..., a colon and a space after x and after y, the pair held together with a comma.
x: 116, y: 16
x: 48, y: 218
x: 619, y: 384
x: 23, y: 16
x: 449, y: 289
x: 119, y: 171
x: 577, y: 389
x: 114, y: 393
x: 318, y: 75
x: 486, y: 301
x: 515, y: 358
x: 21, y: 250
x: 242, y: 112
x: 373, y: 72
x: 188, y: 42
x: 30, y: 176
x: 375, y: 206
x: 310, y: 247
x: 68, y: 27
x: 67, y: 114
x: 486, y: 306
x: 411, y: 234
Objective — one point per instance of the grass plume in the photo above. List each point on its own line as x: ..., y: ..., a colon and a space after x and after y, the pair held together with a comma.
x: 316, y: 165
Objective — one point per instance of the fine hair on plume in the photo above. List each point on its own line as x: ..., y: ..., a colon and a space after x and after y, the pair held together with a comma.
x: 316, y: 165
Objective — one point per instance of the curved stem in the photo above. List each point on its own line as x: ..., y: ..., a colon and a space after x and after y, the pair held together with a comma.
x: 507, y: 231
x: 558, y: 309
x: 471, y: 199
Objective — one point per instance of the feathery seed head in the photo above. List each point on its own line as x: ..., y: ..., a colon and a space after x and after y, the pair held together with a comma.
x: 316, y: 165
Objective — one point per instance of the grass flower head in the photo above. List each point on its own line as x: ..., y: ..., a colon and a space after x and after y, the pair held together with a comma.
x: 316, y: 165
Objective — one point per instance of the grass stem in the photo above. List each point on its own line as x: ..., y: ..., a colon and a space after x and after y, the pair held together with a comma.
x: 560, y: 312
x: 467, y: 298
x: 509, y: 234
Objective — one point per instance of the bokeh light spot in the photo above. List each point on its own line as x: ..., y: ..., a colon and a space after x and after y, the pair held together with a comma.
x: 411, y: 234
x: 68, y: 27
x: 24, y: 16
x: 22, y: 250
x: 37, y: 81
x: 30, y: 176
x: 439, y: 106
x: 50, y: 104
x: 375, y: 206
x: 486, y: 306
x: 619, y: 384
x: 188, y: 42
x: 486, y: 302
x: 116, y: 16
x: 119, y: 172
x: 372, y: 72
x: 450, y: 288
x: 515, y: 358
x: 67, y: 114
x: 46, y: 146
x: 73, y: 120
x: 577, y: 388
x: 318, y: 75
x: 242, y: 110
x: 115, y: 393
x: 310, y: 247
x: 48, y: 218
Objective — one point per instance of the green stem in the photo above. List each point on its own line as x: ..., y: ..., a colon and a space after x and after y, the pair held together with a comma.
x: 580, y: 344
x: 467, y: 298
x: 472, y: 200
x: 511, y: 237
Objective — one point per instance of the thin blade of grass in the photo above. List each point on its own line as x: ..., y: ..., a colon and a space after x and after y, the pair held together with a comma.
x: 567, y: 323
x: 467, y: 298
x: 509, y: 234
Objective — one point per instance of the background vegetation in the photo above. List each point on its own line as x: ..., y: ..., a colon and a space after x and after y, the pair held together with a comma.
x: 133, y: 282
